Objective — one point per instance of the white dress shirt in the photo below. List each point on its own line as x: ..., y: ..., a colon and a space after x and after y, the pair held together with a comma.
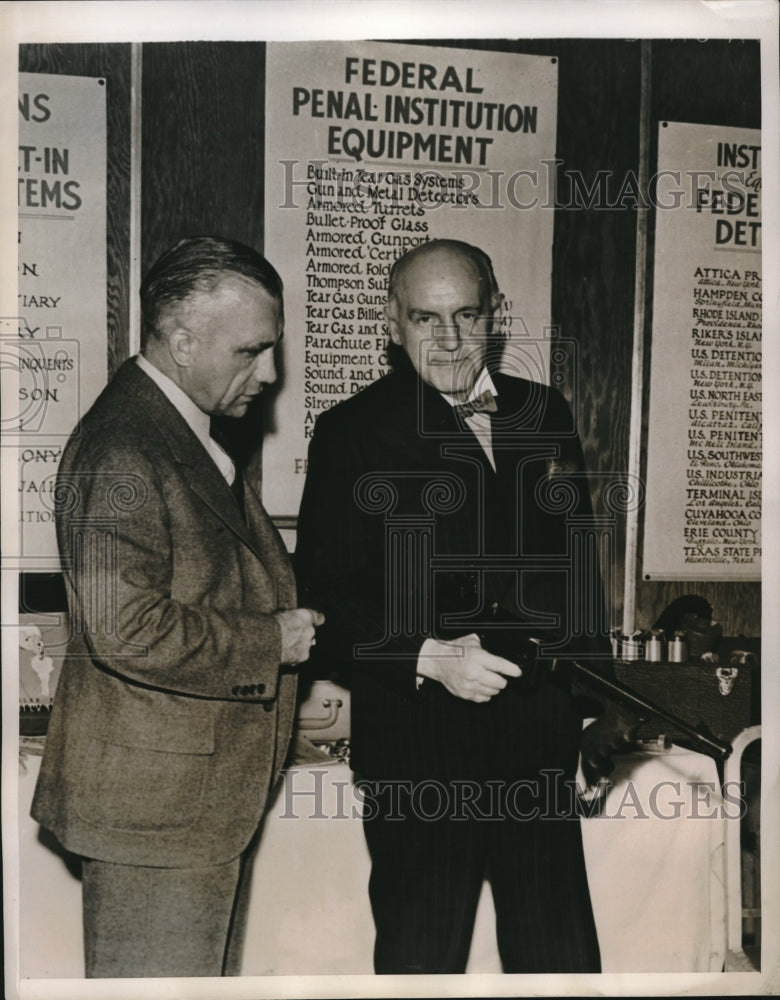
x: 197, y: 421
x: 479, y: 422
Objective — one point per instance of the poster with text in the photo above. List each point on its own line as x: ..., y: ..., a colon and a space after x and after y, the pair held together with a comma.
x: 703, y: 511
x: 55, y: 349
x: 371, y: 149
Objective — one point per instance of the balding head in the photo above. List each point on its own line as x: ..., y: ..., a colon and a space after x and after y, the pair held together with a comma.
x: 442, y: 305
x: 478, y: 260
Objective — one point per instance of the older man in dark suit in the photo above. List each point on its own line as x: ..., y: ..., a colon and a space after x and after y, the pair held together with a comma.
x: 441, y: 503
x: 175, y: 705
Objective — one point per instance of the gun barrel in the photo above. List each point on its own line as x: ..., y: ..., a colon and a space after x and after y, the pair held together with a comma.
x: 713, y: 747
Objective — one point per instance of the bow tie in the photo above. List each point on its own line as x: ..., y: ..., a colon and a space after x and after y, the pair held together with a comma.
x: 484, y: 403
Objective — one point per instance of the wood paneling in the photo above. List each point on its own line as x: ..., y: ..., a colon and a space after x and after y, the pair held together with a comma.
x: 203, y: 145
x: 203, y: 164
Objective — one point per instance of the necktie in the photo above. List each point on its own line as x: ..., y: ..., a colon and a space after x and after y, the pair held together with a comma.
x: 237, y: 489
x: 484, y: 403
x: 237, y: 486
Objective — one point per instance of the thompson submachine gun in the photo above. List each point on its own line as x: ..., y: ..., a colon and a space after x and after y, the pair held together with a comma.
x: 505, y: 638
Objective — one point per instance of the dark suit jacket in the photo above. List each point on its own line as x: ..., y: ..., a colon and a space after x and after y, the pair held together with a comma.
x: 405, y: 531
x: 172, y: 716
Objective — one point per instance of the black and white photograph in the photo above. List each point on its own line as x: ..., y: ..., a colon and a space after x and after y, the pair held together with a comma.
x: 389, y: 522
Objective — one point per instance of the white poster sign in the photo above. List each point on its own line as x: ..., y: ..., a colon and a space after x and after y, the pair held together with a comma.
x: 371, y: 149
x: 56, y: 348
x: 703, y: 513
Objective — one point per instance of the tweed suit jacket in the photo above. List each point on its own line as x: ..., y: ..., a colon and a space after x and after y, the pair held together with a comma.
x: 406, y: 531
x: 172, y: 716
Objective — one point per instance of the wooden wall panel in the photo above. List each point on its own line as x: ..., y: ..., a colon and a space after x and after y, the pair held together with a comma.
x: 593, y: 262
x: 203, y: 143
x: 203, y: 164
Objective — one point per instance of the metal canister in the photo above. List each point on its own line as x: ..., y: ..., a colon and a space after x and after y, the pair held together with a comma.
x: 655, y: 647
x: 630, y: 647
x: 678, y: 648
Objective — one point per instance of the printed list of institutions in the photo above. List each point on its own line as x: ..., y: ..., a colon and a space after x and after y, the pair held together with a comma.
x: 723, y: 490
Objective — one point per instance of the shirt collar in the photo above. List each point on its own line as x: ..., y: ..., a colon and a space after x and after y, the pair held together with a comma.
x: 198, y: 421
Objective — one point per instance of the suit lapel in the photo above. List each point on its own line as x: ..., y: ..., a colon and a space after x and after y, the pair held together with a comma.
x: 214, y: 492
x: 271, y: 548
x: 198, y: 468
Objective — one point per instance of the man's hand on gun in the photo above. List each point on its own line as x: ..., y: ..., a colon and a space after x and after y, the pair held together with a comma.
x: 468, y: 670
x: 465, y: 669
x: 612, y: 732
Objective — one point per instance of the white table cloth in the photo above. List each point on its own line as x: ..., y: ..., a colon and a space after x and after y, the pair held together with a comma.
x: 654, y: 858
x: 655, y: 870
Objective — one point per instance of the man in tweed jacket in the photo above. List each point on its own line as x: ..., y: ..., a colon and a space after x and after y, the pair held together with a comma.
x: 175, y: 706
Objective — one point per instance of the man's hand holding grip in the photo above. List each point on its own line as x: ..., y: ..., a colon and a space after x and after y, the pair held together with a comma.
x: 464, y: 668
x: 298, y: 628
x: 612, y: 732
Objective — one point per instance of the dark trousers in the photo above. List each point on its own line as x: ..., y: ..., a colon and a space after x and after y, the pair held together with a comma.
x: 149, y: 922
x: 433, y: 843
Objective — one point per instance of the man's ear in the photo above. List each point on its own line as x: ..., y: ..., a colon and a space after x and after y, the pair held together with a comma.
x: 496, y: 305
x: 182, y: 346
x: 391, y: 318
